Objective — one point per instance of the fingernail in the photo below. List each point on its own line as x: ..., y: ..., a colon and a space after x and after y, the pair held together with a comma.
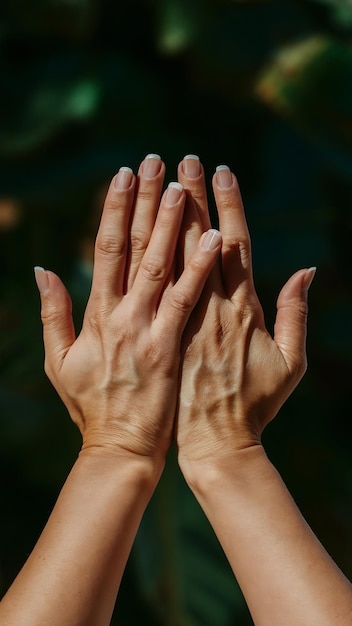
x: 151, y: 165
x: 223, y: 177
x: 308, y: 278
x: 210, y: 240
x: 191, y: 166
x: 173, y: 193
x: 123, y: 178
x: 41, y: 278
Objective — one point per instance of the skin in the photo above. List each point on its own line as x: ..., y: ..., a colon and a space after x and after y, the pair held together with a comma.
x: 118, y: 380
x: 235, y: 377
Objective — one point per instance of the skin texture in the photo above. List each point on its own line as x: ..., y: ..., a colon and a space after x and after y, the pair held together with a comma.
x: 118, y: 380
x: 235, y: 377
x: 233, y: 369
x: 160, y: 338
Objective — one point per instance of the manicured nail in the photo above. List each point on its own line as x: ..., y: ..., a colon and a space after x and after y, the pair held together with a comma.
x: 151, y: 165
x: 223, y: 177
x: 123, y: 178
x: 191, y: 166
x: 308, y: 278
x: 173, y: 193
x: 41, y: 278
x: 210, y: 240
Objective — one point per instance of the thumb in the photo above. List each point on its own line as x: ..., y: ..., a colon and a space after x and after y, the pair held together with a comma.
x: 56, y: 313
x: 291, y: 320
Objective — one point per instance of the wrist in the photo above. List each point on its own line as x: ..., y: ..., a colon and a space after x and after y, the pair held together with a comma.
x: 128, y: 441
x: 235, y: 467
x: 143, y: 471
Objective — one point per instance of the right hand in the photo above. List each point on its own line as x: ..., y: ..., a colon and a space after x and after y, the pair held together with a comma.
x: 119, y: 377
x: 235, y: 376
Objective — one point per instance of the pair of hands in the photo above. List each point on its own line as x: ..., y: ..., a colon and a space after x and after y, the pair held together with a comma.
x: 173, y: 337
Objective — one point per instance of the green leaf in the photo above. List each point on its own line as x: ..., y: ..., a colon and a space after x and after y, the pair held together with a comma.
x: 179, y: 23
x: 340, y: 12
x: 309, y: 82
x: 47, y: 109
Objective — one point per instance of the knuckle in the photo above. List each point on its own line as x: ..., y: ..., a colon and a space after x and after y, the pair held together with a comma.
x: 227, y: 200
x: 248, y: 310
x: 96, y: 319
x: 239, y: 248
x: 197, y: 194
x: 297, y: 309
x: 107, y: 245
x: 166, y: 218
x: 112, y: 202
x: 139, y: 240
x: 153, y: 269
x: 145, y: 194
x: 298, y: 366
x: 153, y: 353
x: 302, y: 309
x: 51, y: 315
x: 196, y: 264
x: 181, y: 301
x: 244, y: 248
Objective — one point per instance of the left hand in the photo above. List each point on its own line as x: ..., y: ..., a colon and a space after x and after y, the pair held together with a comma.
x: 235, y: 376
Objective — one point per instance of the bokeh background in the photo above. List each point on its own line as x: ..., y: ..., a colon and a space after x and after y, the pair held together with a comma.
x: 90, y: 85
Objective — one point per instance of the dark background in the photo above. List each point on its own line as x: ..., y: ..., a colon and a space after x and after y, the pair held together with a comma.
x: 265, y: 87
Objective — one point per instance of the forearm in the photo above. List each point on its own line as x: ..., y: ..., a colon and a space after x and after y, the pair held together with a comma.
x: 73, y: 574
x: 285, y: 574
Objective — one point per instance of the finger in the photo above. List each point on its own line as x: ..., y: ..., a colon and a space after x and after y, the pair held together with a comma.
x: 56, y: 313
x: 183, y: 296
x: 196, y: 219
x: 191, y: 176
x: 291, y: 320
x: 112, y: 240
x: 236, y: 249
x: 158, y: 259
x: 150, y: 179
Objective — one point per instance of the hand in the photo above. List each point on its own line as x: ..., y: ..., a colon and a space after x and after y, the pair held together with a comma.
x: 119, y: 377
x: 235, y: 376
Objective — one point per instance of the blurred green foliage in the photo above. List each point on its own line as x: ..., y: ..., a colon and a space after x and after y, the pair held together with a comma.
x: 264, y: 86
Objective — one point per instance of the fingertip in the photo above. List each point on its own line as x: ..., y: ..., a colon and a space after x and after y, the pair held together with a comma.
x: 223, y: 177
x: 291, y: 322
x: 173, y: 193
x: 42, y: 279
x: 152, y: 166
x: 211, y: 240
x: 51, y: 287
x: 308, y: 277
x: 297, y: 286
x: 123, y: 179
x: 191, y: 166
